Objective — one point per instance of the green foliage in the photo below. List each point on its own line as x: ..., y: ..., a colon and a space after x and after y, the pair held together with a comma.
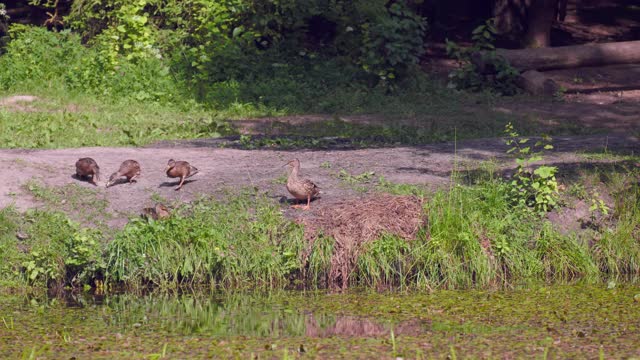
x: 217, y: 41
x: 59, y: 251
x: 364, y: 177
x: 37, y: 58
x: 538, y: 189
x: 472, y: 238
x: 496, y: 74
x: 10, y: 255
x: 105, y: 125
x: 598, y: 205
x: 244, y: 242
x: 36, y: 55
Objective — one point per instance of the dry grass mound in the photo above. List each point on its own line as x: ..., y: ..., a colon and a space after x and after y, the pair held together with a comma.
x: 355, y: 222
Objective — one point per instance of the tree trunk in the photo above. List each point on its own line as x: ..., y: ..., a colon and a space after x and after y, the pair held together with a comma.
x: 541, y: 15
x: 563, y: 57
x: 510, y: 17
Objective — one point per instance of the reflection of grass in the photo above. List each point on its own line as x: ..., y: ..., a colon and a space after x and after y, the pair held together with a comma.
x: 523, y: 323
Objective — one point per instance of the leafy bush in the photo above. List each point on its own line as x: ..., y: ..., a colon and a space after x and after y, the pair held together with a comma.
x: 496, y: 75
x: 210, y: 41
x: 36, y: 57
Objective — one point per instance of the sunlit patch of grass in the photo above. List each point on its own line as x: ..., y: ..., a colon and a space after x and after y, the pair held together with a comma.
x: 241, y: 242
x: 86, y: 204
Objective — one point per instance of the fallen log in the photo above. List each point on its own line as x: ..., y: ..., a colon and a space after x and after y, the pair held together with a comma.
x: 563, y: 57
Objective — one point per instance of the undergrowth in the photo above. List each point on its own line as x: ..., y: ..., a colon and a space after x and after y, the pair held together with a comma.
x: 82, y: 102
x: 474, y: 237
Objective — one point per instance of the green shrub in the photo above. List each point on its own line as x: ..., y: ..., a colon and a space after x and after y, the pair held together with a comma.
x: 497, y: 75
x: 37, y: 58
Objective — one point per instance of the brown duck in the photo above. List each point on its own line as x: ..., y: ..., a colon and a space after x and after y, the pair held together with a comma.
x: 158, y: 212
x: 129, y: 169
x: 181, y: 169
x: 86, y: 167
x: 301, y: 189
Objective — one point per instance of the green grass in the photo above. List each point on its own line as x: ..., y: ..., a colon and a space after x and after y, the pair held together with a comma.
x: 94, y: 123
x: 473, y: 238
x: 243, y: 242
x: 89, y: 205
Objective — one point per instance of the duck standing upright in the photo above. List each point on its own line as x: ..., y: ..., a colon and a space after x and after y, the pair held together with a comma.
x: 87, y: 167
x: 181, y: 169
x: 129, y: 169
x: 301, y: 189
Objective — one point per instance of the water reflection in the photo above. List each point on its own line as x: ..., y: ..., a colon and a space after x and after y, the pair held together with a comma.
x: 219, y: 316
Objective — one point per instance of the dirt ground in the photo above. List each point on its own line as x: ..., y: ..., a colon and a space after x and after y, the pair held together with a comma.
x: 232, y: 169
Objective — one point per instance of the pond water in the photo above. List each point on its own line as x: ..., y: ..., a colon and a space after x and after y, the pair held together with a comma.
x: 543, y: 322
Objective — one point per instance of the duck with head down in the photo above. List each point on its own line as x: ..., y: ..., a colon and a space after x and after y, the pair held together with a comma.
x: 129, y: 169
x: 300, y: 188
x: 180, y: 169
x: 87, y: 167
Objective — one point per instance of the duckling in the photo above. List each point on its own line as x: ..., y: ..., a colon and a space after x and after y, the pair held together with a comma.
x: 129, y: 169
x: 88, y: 167
x: 159, y: 211
x: 181, y: 169
x: 300, y: 188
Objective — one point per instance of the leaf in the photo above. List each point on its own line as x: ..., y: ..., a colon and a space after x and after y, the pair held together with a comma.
x: 545, y: 172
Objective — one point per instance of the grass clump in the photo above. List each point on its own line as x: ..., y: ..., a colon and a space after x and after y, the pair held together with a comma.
x: 237, y: 243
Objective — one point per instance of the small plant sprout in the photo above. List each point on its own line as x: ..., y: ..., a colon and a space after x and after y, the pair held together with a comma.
x: 535, y: 189
x: 598, y: 205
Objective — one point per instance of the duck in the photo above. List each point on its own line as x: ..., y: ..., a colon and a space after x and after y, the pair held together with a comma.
x: 301, y: 189
x: 158, y: 212
x: 86, y: 167
x: 181, y: 169
x: 129, y: 169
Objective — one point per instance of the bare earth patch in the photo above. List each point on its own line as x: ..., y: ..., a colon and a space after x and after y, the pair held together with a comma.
x: 225, y: 170
x: 18, y: 102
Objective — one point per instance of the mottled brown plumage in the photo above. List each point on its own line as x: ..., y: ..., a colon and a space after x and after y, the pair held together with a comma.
x: 87, y: 167
x: 301, y: 189
x: 181, y: 169
x: 158, y: 212
x: 129, y: 169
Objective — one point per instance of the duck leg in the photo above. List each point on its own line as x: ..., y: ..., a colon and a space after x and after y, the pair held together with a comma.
x: 308, y: 202
x: 94, y: 180
x: 181, y: 182
x: 296, y: 203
